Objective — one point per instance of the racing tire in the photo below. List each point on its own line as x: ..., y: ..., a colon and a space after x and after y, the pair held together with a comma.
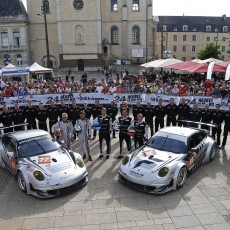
x: 21, y: 182
x: 212, y: 152
x: 182, y: 177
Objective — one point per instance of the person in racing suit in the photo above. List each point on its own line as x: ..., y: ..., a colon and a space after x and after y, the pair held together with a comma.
x: 68, y: 130
x: 84, y: 129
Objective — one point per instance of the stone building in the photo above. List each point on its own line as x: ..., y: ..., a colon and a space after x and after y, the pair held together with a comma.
x: 14, y: 37
x: 185, y: 36
x: 87, y: 34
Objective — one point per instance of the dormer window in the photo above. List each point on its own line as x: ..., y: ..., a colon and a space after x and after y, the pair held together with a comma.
x: 175, y: 29
x: 164, y: 28
x: 208, y: 28
x: 225, y: 29
x: 114, y: 7
x: 194, y: 29
x: 136, y: 5
x: 185, y: 28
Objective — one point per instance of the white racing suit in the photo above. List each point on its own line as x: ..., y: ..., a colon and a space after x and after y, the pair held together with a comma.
x: 68, y: 132
x: 84, y: 134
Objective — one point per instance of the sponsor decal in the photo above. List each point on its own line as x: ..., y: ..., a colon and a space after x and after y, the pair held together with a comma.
x: 144, y: 164
x: 149, y: 152
x: 191, y: 159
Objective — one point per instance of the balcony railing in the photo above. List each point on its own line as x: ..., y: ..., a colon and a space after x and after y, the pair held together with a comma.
x: 13, y: 48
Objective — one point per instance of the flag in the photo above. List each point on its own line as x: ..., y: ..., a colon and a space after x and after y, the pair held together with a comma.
x: 227, y: 72
x: 210, y: 69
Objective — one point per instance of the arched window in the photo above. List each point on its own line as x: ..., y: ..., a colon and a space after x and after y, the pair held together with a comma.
x: 136, y: 35
x: 208, y: 28
x: 185, y: 28
x: 136, y: 5
x: 113, y: 5
x: 225, y: 29
x: 114, y: 35
x: 19, y: 59
x: 6, y: 59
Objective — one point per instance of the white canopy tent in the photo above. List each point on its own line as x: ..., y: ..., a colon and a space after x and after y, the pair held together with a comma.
x: 161, y: 63
x: 40, y: 70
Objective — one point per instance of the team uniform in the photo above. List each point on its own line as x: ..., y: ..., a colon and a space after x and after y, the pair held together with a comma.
x: 42, y: 117
x: 149, y: 115
x: 112, y: 112
x: 217, y: 119
x: 226, y: 127
x: 137, y: 110
x: 52, y: 114
x: 183, y: 112
x: 194, y: 115
x: 87, y: 111
x: 30, y: 114
x: 171, y: 112
x: 159, y: 119
x: 63, y: 109
x: 206, y: 117
x: 18, y: 117
x: 6, y: 120
x: 95, y: 111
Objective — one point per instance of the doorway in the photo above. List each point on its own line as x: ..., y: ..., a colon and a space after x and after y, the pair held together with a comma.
x: 81, y: 65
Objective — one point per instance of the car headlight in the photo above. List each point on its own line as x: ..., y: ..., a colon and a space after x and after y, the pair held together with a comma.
x: 163, y: 172
x: 39, y: 175
x: 80, y: 163
x: 125, y: 160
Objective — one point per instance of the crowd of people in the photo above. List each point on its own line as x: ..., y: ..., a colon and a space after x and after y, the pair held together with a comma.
x: 137, y: 122
x: 122, y: 82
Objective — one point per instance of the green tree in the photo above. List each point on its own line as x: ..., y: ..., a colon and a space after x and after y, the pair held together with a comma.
x: 210, y: 51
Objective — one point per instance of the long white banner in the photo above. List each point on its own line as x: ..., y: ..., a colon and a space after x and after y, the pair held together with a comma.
x: 119, y: 98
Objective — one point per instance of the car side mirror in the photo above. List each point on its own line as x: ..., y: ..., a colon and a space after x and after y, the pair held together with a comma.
x: 10, y: 154
x: 196, y: 150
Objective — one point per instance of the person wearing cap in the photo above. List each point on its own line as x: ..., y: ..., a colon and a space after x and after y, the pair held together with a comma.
x: 141, y: 130
x: 96, y: 111
x: 6, y: 119
x: 112, y: 111
x: 52, y: 113
x: 218, y: 117
x: 105, y: 130
x: 226, y: 127
x: 149, y: 115
x: 84, y: 129
x: 18, y: 117
x: 123, y: 123
x: 41, y: 116
x: 160, y: 112
x: 86, y: 109
x: 30, y: 113
x: 68, y: 130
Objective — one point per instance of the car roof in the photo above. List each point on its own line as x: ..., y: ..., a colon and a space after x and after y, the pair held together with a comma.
x: 181, y: 131
x: 22, y: 135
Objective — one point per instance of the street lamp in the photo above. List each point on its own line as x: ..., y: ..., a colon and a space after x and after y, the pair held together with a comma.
x: 162, y: 40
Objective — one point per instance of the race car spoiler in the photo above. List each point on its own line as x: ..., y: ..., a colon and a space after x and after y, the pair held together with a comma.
x: 12, y: 126
x: 199, y: 123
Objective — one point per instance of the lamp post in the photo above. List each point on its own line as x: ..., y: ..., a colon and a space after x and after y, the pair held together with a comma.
x: 46, y: 33
x: 162, y: 41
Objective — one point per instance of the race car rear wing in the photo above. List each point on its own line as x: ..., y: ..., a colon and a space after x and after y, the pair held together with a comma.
x: 199, y: 123
x: 12, y: 126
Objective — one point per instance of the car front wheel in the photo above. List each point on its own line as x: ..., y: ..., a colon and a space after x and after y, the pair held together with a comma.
x: 182, y: 177
x: 21, y: 182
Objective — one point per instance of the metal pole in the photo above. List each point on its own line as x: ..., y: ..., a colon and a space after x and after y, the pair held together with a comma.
x: 162, y: 44
x: 46, y: 35
x: 216, y: 42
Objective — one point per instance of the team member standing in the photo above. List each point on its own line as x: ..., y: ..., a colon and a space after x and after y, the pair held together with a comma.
x: 68, y: 130
x: 6, y: 119
x: 124, y: 105
x: 52, y: 113
x: 104, y: 132
x: 86, y: 109
x: 217, y: 119
x: 149, y: 114
x: 84, y: 135
x: 74, y: 113
x: 63, y: 109
x: 137, y: 109
x: 41, y: 117
x: 194, y: 115
x: 18, y: 117
x: 206, y: 116
x: 159, y: 111
x: 112, y: 112
x: 123, y: 123
x: 171, y: 110
x: 183, y: 111
x: 96, y: 111
x: 141, y: 131
x: 30, y: 114
x: 226, y: 126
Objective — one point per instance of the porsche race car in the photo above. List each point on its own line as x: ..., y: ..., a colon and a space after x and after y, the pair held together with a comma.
x: 165, y: 161
x: 40, y: 164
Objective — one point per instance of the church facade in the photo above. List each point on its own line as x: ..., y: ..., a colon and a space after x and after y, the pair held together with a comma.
x: 87, y: 34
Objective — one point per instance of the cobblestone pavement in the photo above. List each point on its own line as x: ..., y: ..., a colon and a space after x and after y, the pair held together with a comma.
x: 104, y: 203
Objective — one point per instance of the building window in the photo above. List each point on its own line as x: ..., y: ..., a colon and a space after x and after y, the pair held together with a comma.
x: 136, y: 5
x: 193, y: 48
x: 185, y: 28
x: 174, y: 48
x: 114, y: 35
x: 175, y: 29
x: 184, y: 48
x: 174, y: 38
x: 208, y: 39
x: 194, y: 37
x: 5, y: 40
x: 135, y: 35
x: 6, y: 59
x: 164, y: 28
x: 208, y: 28
x: 194, y: 29
x: 19, y: 59
x: 16, y: 39
x: 183, y: 58
x: 193, y: 58
x: 164, y: 48
x: 223, y: 49
x: 114, y: 5
x: 47, y: 6
x: 164, y: 38
x: 225, y: 29
x: 184, y: 38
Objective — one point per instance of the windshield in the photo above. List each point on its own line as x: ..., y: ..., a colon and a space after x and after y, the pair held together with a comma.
x: 37, y: 146
x: 167, y: 144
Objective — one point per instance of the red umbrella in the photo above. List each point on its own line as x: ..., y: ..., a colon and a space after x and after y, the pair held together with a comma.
x: 181, y: 65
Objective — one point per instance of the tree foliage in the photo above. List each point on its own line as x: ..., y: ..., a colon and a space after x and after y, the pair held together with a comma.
x: 210, y: 51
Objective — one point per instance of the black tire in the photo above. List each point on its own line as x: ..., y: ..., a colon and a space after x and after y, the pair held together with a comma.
x: 182, y: 177
x: 212, y: 152
x: 21, y: 182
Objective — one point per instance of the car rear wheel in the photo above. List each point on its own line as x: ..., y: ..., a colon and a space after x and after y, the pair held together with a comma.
x: 212, y: 152
x: 182, y: 177
x: 21, y: 182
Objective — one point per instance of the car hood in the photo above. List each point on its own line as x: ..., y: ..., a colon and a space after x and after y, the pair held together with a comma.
x: 51, y: 162
x: 151, y: 159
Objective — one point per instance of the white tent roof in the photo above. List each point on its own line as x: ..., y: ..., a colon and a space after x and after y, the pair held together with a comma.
x: 211, y: 60
x: 9, y: 66
x: 37, y: 68
x: 161, y: 63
